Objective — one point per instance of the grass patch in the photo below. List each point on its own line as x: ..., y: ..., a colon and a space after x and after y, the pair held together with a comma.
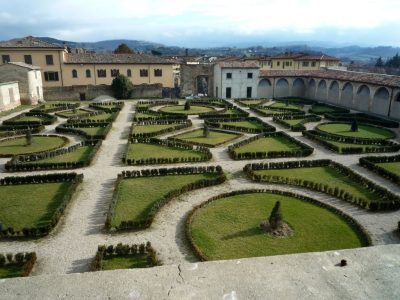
x: 80, y: 154
x: 16, y: 146
x: 392, y: 167
x: 245, y: 124
x: 72, y: 114
x: 214, y: 139
x: 319, y: 108
x: 273, y: 143
x: 139, y: 129
x: 98, y: 117
x: 30, y: 205
x: 227, y: 228
x: 124, y: 262
x: 180, y: 109
x: 252, y: 102
x: 16, y: 109
x: 289, y: 106
x: 136, y: 196
x: 143, y: 151
x: 364, y: 131
x: 11, y: 271
x: 92, y: 131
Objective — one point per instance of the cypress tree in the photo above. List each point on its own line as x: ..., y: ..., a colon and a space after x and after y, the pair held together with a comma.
x: 275, y: 218
x: 354, y: 125
x: 206, y: 131
x: 187, y: 105
x: 28, y: 138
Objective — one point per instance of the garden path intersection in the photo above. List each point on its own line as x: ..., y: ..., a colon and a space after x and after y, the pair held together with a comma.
x: 71, y: 246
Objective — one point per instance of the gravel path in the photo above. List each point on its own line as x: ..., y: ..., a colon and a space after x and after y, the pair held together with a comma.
x: 72, y: 245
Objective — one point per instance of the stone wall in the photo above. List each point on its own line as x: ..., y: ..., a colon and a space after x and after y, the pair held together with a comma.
x: 189, y: 75
x: 10, y: 72
x: 9, y: 96
x: 89, y: 92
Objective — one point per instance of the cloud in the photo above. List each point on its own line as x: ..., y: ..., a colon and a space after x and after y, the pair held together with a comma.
x: 175, y: 21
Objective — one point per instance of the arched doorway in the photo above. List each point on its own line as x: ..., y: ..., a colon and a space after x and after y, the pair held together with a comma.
x: 381, y: 102
x: 264, y: 89
x: 299, y: 88
x: 333, y: 93
x: 361, y: 100
x: 321, y: 90
x: 311, y: 88
x: 347, y: 95
x: 282, y: 88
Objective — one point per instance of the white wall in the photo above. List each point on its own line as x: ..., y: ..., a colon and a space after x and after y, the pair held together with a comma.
x: 238, y: 83
x: 35, y: 86
x: 9, y: 96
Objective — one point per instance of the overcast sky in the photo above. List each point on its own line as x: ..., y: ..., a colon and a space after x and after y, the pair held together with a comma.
x: 206, y: 23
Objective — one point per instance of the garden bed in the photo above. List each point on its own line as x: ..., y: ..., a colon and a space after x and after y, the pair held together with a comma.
x: 267, y: 111
x: 13, y: 130
x: 108, y: 106
x: 296, y: 123
x: 364, y: 131
x: 215, y: 138
x: 90, y: 131
x: 251, y: 102
x: 146, y: 129
x: 242, y: 124
x: 31, y: 118
x: 385, y: 166
x: 18, y: 265
x: 320, y: 109
x: 53, y: 107
x: 180, y: 109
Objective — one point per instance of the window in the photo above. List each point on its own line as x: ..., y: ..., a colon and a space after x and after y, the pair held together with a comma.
x: 101, y: 73
x: 144, y: 73
x: 228, y: 75
x: 49, y: 60
x: 5, y: 58
x: 313, y: 64
x: 88, y: 73
x: 249, y: 75
x: 129, y: 73
x: 306, y: 63
x: 287, y: 63
x: 51, y: 76
x: 228, y: 92
x: 28, y: 59
x: 74, y: 74
x: 248, y: 92
x: 278, y: 63
x: 114, y: 72
x: 157, y: 72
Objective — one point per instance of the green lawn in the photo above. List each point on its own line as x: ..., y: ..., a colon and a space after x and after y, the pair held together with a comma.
x: 151, y: 128
x: 293, y: 121
x: 227, y: 228
x: 290, y: 106
x: 364, y: 131
x: 92, y: 130
x: 393, y: 167
x: 80, y: 154
x: 245, y: 124
x: 231, y: 112
x: 71, y: 113
x: 321, y: 109
x: 145, y: 115
x: 326, y: 176
x: 29, y: 119
x: 137, y: 195
x: 99, y: 117
x: 11, y: 270
x: 180, y: 109
x: 268, y: 144
x: 39, y: 143
x: 275, y: 112
x: 14, y: 110
x: 30, y: 205
x: 140, y: 151
x: 213, y: 139
x: 251, y: 102
x: 124, y: 262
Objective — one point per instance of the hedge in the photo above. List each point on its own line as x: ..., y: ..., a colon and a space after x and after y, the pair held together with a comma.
x: 73, y: 128
x: 304, y: 151
x: 131, y: 224
x: 108, y: 106
x: 296, y: 100
x: 220, y: 113
x: 13, y: 130
x: 65, y: 139
x: 338, y: 110
x: 324, y: 138
x: 180, y: 124
x: 358, y: 139
x: 24, y: 260
x: 88, y: 118
x: 55, y: 107
x: 172, y: 144
x: 124, y: 250
x: 285, y: 111
x: 173, y: 114
x: 19, y: 163
x: 74, y: 178
x: 173, y: 138
x: 158, y: 116
x: 211, y: 102
x: 386, y: 200
x: 215, y: 123
x: 143, y: 106
x: 47, y: 119
x: 239, y: 101
x: 364, y: 118
x: 357, y: 227
x: 298, y: 127
x: 60, y: 114
x: 370, y: 162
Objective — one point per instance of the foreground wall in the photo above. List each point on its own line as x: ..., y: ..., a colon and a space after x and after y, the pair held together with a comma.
x: 9, y: 96
x: 89, y: 92
x: 375, y: 99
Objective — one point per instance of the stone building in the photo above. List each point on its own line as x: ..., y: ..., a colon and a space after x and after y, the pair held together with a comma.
x: 63, y: 69
x: 29, y: 80
x: 235, y: 79
x: 9, y: 95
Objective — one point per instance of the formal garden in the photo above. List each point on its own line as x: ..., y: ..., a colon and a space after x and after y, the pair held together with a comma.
x: 206, y: 178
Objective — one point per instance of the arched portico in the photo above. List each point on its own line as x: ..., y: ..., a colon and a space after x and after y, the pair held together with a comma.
x: 264, y: 89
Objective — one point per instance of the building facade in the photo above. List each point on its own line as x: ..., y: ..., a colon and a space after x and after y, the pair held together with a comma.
x: 29, y: 80
x: 9, y: 95
x: 235, y: 79
x: 63, y: 69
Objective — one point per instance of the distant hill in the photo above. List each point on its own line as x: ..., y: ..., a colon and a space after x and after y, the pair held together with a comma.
x: 367, y: 55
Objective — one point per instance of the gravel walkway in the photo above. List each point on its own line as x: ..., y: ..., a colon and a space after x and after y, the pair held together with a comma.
x: 72, y: 245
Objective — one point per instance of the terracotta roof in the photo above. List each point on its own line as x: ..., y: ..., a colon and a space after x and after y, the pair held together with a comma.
x: 237, y: 65
x: 23, y: 65
x: 28, y: 42
x: 110, y: 58
x: 302, y: 56
x: 370, y: 78
x: 288, y: 56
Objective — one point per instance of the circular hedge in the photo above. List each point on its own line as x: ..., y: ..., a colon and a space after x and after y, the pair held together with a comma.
x: 40, y: 143
x: 227, y: 226
x: 364, y: 131
x: 180, y: 109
